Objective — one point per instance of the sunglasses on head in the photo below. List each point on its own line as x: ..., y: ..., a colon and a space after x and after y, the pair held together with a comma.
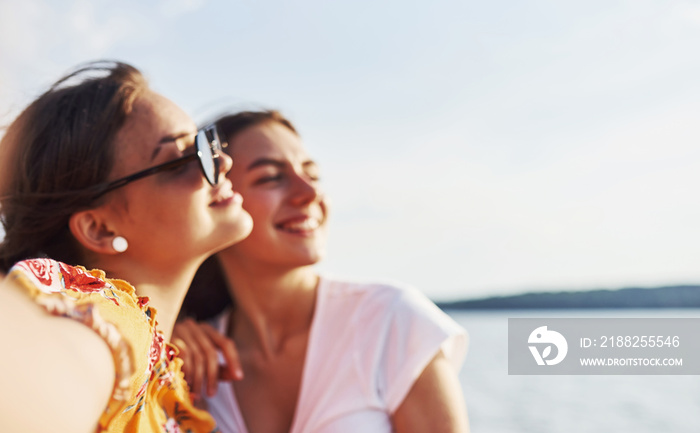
x: 207, y: 145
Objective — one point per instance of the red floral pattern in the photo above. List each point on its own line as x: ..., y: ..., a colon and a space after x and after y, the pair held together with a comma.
x: 54, y: 286
x: 172, y: 426
x: 41, y: 269
x: 80, y: 280
x: 156, y: 350
x: 170, y: 353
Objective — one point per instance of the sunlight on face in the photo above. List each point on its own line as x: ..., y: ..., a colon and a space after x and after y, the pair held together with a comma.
x: 280, y: 187
x: 173, y: 215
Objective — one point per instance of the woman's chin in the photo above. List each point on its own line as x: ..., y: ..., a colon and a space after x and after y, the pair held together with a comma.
x: 308, y: 258
x: 244, y: 226
x: 239, y: 227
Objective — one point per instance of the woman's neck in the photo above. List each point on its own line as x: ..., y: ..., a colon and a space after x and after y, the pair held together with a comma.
x: 165, y: 288
x: 271, y: 304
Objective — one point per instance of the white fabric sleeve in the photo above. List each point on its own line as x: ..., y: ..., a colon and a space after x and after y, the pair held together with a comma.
x: 417, y: 330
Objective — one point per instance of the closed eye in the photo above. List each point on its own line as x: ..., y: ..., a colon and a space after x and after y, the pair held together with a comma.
x: 181, y: 167
x: 311, y: 170
x: 268, y: 179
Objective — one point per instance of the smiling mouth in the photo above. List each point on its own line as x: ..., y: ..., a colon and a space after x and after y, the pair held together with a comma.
x: 305, y: 225
x: 225, y: 197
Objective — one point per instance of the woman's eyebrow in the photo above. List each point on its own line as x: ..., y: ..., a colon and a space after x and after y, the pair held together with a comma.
x: 265, y: 161
x: 168, y: 139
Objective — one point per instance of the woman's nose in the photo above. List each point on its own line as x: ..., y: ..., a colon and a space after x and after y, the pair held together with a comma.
x: 225, y: 164
x: 304, y: 189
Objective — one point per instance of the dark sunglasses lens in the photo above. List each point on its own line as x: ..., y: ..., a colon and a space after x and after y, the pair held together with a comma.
x: 206, y: 158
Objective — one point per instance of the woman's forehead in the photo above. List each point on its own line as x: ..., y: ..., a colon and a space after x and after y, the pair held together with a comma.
x: 154, y: 118
x: 270, y: 139
x: 153, y: 123
x: 160, y: 115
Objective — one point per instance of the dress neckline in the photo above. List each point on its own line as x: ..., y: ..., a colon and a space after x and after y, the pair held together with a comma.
x: 223, y: 326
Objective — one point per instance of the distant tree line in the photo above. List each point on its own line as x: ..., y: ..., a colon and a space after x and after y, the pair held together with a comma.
x: 633, y: 297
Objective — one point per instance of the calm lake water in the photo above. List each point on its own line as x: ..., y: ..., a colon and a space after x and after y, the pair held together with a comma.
x: 499, y: 403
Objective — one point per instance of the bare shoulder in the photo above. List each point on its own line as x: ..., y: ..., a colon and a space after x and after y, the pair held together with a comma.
x: 55, y: 374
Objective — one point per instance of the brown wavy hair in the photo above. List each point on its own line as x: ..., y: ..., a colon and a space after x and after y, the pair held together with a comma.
x: 231, y: 125
x: 209, y: 294
x: 54, y: 154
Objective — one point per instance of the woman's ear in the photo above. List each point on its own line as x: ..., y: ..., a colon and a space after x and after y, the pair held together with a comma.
x: 90, y: 229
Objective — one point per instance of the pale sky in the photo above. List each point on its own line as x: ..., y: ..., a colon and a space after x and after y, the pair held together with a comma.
x: 469, y: 148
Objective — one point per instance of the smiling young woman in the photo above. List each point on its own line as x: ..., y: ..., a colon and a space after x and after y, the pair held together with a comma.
x: 102, y: 172
x: 312, y: 353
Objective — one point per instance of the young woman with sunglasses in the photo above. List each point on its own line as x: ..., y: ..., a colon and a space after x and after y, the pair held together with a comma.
x: 318, y: 354
x: 101, y: 171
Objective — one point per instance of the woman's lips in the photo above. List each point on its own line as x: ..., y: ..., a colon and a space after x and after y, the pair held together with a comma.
x: 299, y: 225
x: 226, y: 196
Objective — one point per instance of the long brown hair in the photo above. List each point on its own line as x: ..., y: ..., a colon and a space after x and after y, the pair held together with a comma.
x: 56, y: 150
x: 231, y: 125
x: 208, y: 294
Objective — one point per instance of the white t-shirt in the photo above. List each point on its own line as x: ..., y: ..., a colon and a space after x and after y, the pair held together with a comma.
x: 367, y: 346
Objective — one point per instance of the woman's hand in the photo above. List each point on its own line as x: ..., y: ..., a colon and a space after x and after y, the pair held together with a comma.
x: 199, y: 344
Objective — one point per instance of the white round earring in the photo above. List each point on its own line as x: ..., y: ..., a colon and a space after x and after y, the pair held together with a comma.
x: 119, y: 244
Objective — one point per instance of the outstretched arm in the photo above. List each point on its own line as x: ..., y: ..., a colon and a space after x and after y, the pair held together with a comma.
x: 435, y: 403
x: 55, y: 374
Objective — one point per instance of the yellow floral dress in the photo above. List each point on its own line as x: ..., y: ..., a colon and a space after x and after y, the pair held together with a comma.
x: 150, y: 394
